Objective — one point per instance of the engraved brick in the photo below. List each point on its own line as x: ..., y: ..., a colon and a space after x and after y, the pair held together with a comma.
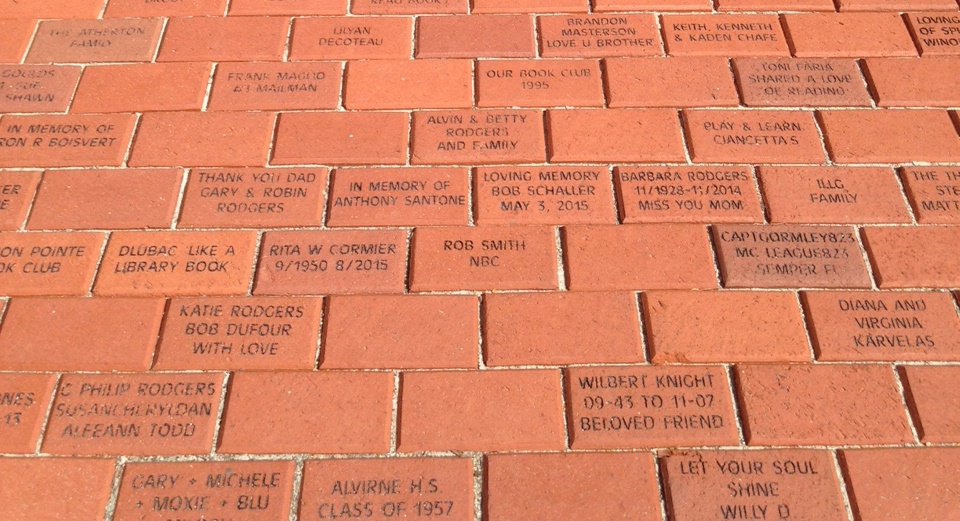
x: 922, y: 483
x: 759, y: 483
x: 37, y: 88
x: 409, y: 7
x: 106, y: 199
x: 150, y: 414
x: 556, y: 194
x: 478, y: 136
x: 26, y: 398
x: 599, y: 35
x: 540, y: 83
x: 203, y: 139
x: 678, y: 81
x: 688, y: 327
x: 254, y: 197
x: 812, y: 405
x: 318, y: 413
x: 15, y: 35
x: 399, y: 197
x: 412, y: 332
x: 827, y: 195
x: 288, y: 7
x: 80, y: 334
x: 138, y: 8
x: 238, y: 490
x: 887, y: 326
x: 800, y: 82
x: 51, y: 8
x: 475, y: 36
x: 601, y: 328
x: 847, y: 35
x: 890, y: 136
x: 753, y: 136
x: 935, y: 407
x: 417, y: 487
x: 932, y: 32
x: 357, y: 37
x: 613, y: 135
x: 409, y: 84
x: 341, y: 138
x: 496, y: 411
x: 332, y: 262
x: 914, y: 82
x: 240, y: 333
x: 48, y: 263
x: 914, y: 256
x: 224, y: 39
x: 484, y: 258
x: 638, y: 407
x: 36, y: 141
x: 276, y: 86
x: 142, y: 87
x: 17, y: 189
x: 781, y: 256
x: 177, y: 263
x: 724, y: 35
x: 55, y: 488
x: 711, y: 194
x: 630, y: 257
x: 525, y: 486
x: 934, y: 193
x: 127, y: 40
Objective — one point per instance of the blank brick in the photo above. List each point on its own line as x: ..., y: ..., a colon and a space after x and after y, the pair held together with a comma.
x: 288, y: 7
x: 632, y: 257
x: 127, y: 40
x: 493, y: 411
x: 203, y: 139
x: 641, y: 135
x: 224, y: 39
x: 539, y: 83
x: 424, y: 331
x: 14, y: 37
x: 821, y: 405
x: 756, y: 136
x: 582, y: 486
x: 600, y: 328
x: 848, y: 35
x: 381, y: 7
x: 914, y: 82
x: 51, y: 8
x: 106, y: 199
x: 409, y: 84
x: 935, y: 405
x: 80, y: 334
x: 775, y: 5
x: 664, y: 5
x: 905, y: 257
x: 890, y: 136
x: 895, y: 5
x: 724, y: 327
x: 317, y: 413
x: 26, y: 399
x: 724, y: 35
x: 530, y: 6
x: 341, y: 138
x: 55, y: 489
x: 136, y: 8
x: 475, y: 36
x: 142, y: 87
x: 351, y: 38
x: 680, y: 81
x: 17, y: 189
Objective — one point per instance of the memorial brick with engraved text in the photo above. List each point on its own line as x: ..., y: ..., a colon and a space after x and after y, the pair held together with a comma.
x: 936, y: 34
x: 177, y: 263
x: 544, y: 195
x: 17, y: 189
x: 203, y: 139
x: 934, y: 192
x: 37, y: 88
x: 542, y: 83
x: 914, y: 256
x: 753, y: 136
x: 341, y: 138
x: 142, y: 87
x: 65, y: 140
x: 240, y: 333
x: 48, y: 263
x: 409, y: 84
x: 800, y: 82
x: 886, y: 326
x: 15, y: 35
x: 399, y: 197
x: 352, y: 38
x: 756, y: 484
x: 847, y: 35
x: 890, y: 136
x: 934, y: 405
x: 82, y: 41
x: 389, y: 488
x: 254, y: 197
x: 599, y: 35
x: 236, y: 490
x: 48, y: 487
x: 224, y: 39
x: 332, y: 262
x: 24, y: 400
x: 724, y: 35
x: 639, y: 407
x: 781, y: 256
x: 614, y: 135
x: 677, y: 81
x: 139, y: 8
x: 276, y: 86
x: 483, y: 258
x: 476, y: 36
x: 288, y: 7
x: 409, y: 6
x: 676, y: 194
x: 134, y: 414
x: 478, y: 136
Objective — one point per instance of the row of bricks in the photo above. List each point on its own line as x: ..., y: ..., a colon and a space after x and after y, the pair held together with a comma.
x: 621, y: 407
x: 444, y: 331
x: 592, y: 258
x: 854, y: 35
x: 558, y: 194
x: 477, y: 137
x: 877, y: 484
x: 440, y: 84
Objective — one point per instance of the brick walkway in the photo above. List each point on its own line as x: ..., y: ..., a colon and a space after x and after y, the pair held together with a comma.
x: 666, y: 260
